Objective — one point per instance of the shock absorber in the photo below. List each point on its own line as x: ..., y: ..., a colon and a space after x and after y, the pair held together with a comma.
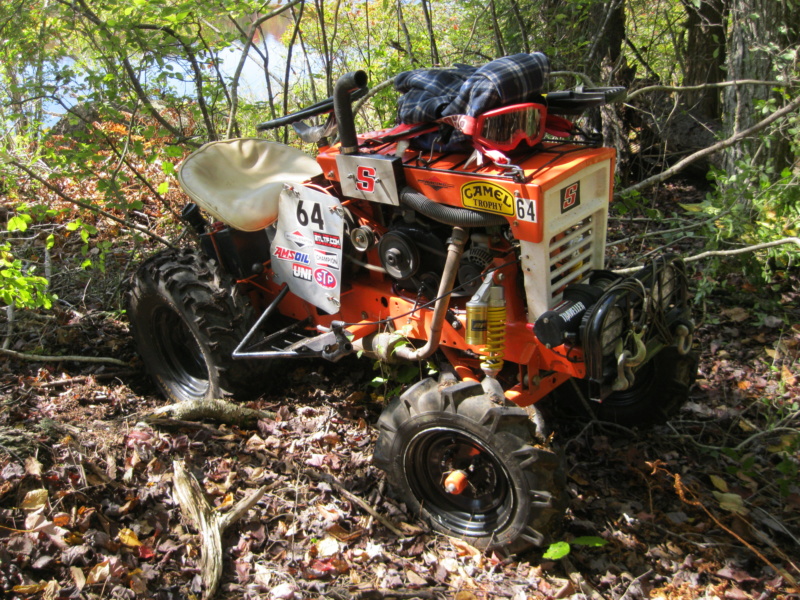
x: 495, y: 332
x: 486, y: 325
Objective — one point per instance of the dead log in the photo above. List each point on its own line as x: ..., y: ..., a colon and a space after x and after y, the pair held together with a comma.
x: 220, y: 411
x: 210, y: 523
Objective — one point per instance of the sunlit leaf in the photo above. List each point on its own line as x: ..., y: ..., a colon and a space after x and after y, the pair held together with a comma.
x: 557, y: 551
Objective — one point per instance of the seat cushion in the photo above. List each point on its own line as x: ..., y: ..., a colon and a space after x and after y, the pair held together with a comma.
x: 239, y: 181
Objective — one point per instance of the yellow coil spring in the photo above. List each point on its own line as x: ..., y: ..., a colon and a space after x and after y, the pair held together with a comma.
x: 495, y: 339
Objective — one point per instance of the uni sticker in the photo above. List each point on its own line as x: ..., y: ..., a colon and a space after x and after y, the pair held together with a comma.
x: 487, y: 197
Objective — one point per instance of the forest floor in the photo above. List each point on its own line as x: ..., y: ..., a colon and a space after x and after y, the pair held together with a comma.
x: 706, y: 506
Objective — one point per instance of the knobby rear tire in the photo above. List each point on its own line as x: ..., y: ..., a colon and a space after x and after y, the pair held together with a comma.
x: 187, y: 318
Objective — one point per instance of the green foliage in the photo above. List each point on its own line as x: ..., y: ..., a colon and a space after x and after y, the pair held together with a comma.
x: 757, y: 205
x: 19, y: 285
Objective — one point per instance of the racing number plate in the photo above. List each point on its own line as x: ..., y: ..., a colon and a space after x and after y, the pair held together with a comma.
x: 307, y: 247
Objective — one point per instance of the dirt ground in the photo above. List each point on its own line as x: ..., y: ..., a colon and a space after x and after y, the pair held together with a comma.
x: 706, y: 506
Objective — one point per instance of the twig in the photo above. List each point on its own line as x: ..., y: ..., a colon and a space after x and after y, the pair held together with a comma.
x: 636, y: 580
x: 353, y: 498
x: 81, y: 379
x: 682, y: 490
x: 46, y: 358
x: 763, y: 433
x: 87, y: 206
x: 754, y: 248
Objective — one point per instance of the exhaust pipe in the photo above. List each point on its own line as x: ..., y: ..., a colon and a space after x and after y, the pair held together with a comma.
x: 343, y: 109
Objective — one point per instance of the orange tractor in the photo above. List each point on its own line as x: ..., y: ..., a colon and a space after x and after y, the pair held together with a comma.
x: 474, y: 241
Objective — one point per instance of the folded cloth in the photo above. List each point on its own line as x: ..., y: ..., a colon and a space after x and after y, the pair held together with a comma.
x: 429, y: 94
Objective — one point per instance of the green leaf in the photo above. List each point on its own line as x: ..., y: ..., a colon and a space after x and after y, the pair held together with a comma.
x: 17, y: 223
x: 163, y: 187
x: 557, y: 551
x: 590, y: 540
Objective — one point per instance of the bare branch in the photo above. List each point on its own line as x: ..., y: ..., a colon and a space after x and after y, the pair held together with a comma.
x: 48, y: 358
x: 703, y: 86
x: 734, y: 252
x: 234, y: 92
x: 681, y: 164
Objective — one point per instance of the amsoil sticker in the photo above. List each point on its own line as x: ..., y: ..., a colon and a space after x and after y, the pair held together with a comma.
x: 570, y: 196
x: 326, y: 239
x: 487, y: 197
x: 325, y: 278
x: 329, y: 259
x: 297, y: 238
x: 302, y: 272
x: 289, y: 254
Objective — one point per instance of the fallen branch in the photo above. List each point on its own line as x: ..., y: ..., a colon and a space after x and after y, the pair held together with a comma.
x: 681, y: 164
x: 210, y: 523
x: 216, y: 410
x: 82, y: 379
x: 735, y: 251
x: 353, y: 498
x: 71, y: 358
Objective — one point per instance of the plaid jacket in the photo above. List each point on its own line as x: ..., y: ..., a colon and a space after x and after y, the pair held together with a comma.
x: 429, y: 94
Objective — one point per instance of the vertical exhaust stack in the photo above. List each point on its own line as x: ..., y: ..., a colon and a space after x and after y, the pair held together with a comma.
x: 343, y: 109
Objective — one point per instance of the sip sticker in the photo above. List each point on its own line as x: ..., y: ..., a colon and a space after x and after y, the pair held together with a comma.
x: 325, y: 278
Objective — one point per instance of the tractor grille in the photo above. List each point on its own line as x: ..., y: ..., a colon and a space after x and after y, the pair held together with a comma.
x: 570, y: 255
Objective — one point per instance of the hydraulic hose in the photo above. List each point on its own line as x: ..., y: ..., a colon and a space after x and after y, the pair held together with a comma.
x: 343, y: 109
x: 449, y: 215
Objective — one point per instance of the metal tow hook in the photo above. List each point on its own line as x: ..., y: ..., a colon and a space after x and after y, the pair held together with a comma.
x: 626, y: 360
x: 683, y: 339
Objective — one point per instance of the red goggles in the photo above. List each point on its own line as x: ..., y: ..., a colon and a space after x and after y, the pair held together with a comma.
x: 507, y: 127
x: 504, y: 128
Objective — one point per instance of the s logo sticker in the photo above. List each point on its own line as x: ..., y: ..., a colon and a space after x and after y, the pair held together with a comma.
x: 365, y: 178
x: 570, y: 196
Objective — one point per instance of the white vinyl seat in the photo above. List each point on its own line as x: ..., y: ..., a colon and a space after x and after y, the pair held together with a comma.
x: 239, y: 181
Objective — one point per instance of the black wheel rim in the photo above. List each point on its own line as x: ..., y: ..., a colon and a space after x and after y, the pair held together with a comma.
x: 487, y: 503
x: 182, y: 364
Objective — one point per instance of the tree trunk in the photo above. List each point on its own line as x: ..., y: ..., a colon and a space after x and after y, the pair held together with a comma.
x: 705, y: 55
x: 755, y: 25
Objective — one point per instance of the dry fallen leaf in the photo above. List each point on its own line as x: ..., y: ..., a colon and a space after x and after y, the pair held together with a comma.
x: 34, y: 500
x: 719, y: 483
x: 736, y: 314
x: 99, y: 573
x: 787, y: 376
x: 327, y: 547
x: 129, y: 538
x: 731, y: 502
x: 415, y: 580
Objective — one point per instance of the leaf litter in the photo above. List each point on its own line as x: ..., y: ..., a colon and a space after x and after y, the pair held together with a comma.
x: 707, y: 506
